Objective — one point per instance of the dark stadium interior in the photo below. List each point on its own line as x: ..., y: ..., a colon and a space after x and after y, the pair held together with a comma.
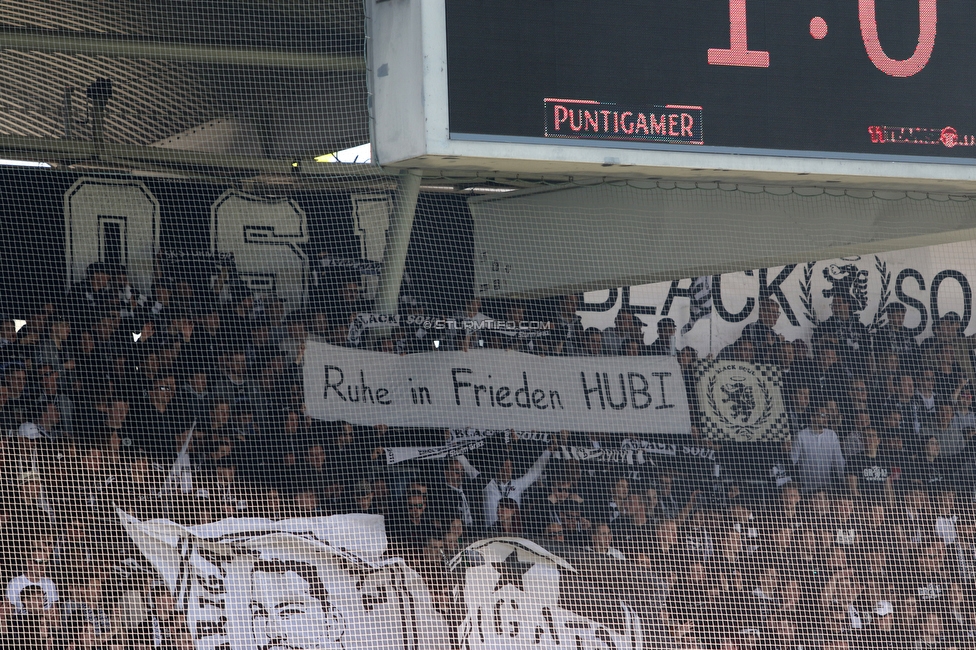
x: 861, y: 514
x: 178, y: 238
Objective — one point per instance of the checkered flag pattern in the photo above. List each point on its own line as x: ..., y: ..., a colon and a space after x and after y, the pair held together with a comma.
x: 772, y: 421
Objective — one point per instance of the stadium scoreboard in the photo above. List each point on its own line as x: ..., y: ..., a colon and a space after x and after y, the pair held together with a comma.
x: 830, y: 87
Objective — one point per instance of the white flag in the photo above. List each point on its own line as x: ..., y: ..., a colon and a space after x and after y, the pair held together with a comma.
x: 701, y: 302
x: 512, y: 601
x: 320, y: 583
x: 181, y: 474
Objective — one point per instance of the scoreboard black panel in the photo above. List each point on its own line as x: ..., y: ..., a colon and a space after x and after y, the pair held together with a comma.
x: 845, y: 79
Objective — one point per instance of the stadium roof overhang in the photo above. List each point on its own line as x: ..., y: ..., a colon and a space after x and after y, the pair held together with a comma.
x: 249, y: 92
x: 241, y: 91
x: 254, y: 92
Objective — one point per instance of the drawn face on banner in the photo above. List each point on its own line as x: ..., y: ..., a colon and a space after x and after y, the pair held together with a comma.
x: 254, y: 584
x: 291, y: 610
x: 512, y: 598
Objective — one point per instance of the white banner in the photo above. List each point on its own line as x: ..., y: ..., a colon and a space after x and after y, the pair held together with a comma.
x: 512, y: 600
x: 462, y: 441
x: 324, y: 583
x: 632, y: 454
x: 928, y: 281
x: 319, y: 583
x: 496, y: 389
x: 741, y: 401
x: 457, y: 446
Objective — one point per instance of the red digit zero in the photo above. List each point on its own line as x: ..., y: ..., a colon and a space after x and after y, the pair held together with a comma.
x: 739, y: 54
x: 927, y: 22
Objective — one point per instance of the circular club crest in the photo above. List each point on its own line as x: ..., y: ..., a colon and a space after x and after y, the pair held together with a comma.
x: 849, y: 277
x: 738, y: 401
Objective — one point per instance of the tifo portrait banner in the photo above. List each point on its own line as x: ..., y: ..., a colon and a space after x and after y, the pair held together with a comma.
x: 495, y: 388
x: 518, y: 595
x: 741, y: 401
x: 319, y: 583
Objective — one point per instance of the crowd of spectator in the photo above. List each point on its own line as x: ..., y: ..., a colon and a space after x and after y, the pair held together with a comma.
x: 856, y: 530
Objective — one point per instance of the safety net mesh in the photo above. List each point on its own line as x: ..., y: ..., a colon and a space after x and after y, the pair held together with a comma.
x: 256, y: 397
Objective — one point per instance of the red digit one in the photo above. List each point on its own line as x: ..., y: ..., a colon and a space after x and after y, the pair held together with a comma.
x: 927, y: 20
x: 739, y: 53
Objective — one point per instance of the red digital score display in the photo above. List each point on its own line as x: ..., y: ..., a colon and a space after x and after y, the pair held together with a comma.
x: 739, y: 54
x: 858, y: 78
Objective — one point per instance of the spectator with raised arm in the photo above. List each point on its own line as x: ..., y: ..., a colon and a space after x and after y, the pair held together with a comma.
x: 505, y: 484
x: 569, y: 328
